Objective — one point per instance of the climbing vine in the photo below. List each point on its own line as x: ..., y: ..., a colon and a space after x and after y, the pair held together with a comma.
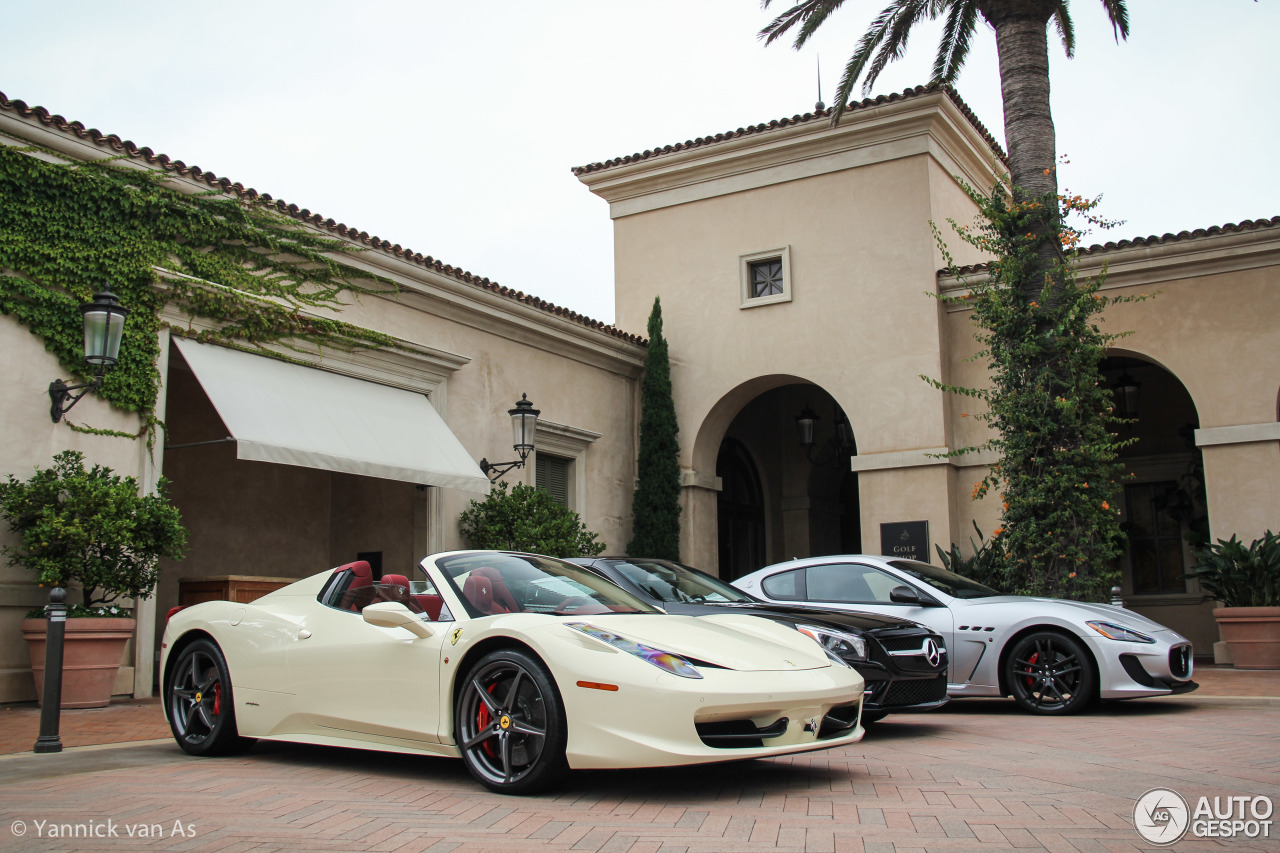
x: 71, y: 229
x: 1051, y: 415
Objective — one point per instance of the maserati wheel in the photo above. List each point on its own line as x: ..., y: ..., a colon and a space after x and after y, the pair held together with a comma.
x: 511, y: 724
x: 1049, y: 673
x: 198, y: 699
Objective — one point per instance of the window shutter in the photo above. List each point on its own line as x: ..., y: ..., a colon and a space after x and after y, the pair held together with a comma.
x: 552, y: 474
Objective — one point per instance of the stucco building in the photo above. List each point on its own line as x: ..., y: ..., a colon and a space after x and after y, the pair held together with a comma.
x: 793, y: 261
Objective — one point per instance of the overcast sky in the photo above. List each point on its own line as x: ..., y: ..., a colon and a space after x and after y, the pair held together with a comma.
x: 451, y: 128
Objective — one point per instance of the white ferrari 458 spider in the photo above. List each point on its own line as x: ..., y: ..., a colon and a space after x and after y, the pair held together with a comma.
x: 523, y: 666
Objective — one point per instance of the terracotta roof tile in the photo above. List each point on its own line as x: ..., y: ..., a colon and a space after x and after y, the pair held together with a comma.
x: 825, y: 114
x: 1153, y: 240
x: 115, y: 143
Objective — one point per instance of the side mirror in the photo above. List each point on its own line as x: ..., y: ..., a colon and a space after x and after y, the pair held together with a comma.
x: 905, y: 595
x: 391, y: 614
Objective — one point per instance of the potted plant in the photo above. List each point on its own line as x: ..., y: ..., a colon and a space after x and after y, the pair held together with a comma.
x: 1246, y: 579
x: 92, y: 528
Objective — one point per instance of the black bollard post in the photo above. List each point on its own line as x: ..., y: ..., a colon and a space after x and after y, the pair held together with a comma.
x: 51, y: 702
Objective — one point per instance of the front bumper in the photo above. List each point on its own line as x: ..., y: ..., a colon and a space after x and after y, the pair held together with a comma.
x: 667, y: 722
x: 1134, y: 670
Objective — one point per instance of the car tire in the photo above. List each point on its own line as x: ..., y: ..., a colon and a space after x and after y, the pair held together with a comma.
x: 509, y: 723
x: 200, y: 704
x: 1050, y: 673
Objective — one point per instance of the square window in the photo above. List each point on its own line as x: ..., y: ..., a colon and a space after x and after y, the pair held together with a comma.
x: 765, y: 277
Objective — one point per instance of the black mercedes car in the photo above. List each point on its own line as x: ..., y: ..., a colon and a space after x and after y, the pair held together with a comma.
x: 903, y: 663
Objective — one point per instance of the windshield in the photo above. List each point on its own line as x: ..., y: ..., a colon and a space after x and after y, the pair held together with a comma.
x: 672, y: 582
x: 491, y: 582
x: 954, y: 585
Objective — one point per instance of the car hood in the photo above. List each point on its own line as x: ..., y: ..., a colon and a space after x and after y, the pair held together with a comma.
x: 841, y: 619
x: 1081, y: 610
x: 742, y: 643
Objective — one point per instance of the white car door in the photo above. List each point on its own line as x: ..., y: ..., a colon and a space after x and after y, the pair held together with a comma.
x: 361, y: 681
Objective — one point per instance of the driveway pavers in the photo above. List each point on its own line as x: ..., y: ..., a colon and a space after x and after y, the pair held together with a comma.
x: 977, y: 775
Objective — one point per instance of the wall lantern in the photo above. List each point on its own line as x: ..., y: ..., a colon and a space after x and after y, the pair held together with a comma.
x: 103, y: 328
x: 1125, y: 394
x: 839, y: 446
x: 524, y: 425
x: 805, y: 422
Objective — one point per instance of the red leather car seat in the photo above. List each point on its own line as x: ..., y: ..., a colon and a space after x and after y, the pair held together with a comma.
x: 394, y: 588
x: 361, y: 578
x: 486, y: 590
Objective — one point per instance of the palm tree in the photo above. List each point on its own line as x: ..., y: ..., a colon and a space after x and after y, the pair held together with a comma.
x: 1021, y: 42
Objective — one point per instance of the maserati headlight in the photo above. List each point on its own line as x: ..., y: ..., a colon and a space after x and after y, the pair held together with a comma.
x: 1112, y: 631
x: 665, y: 661
x: 836, y: 642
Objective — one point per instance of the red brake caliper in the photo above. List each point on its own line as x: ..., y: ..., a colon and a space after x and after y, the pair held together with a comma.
x: 1031, y: 661
x: 482, y: 722
x: 217, y: 699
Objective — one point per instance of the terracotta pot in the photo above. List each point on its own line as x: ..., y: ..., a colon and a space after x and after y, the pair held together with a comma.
x: 1252, y: 635
x: 92, y: 652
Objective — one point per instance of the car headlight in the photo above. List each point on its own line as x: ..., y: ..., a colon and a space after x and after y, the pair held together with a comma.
x: 1112, y: 631
x: 665, y: 661
x: 836, y: 642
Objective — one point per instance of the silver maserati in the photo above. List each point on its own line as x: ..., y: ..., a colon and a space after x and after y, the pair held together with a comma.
x: 1052, y: 655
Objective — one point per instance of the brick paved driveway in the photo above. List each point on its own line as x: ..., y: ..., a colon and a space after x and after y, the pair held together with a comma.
x: 977, y: 776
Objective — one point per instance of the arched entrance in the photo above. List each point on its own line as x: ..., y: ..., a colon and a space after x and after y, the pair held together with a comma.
x: 781, y: 498
x: 1164, y: 512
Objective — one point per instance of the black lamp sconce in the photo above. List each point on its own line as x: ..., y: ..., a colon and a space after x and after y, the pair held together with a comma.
x: 1124, y: 392
x: 524, y: 424
x: 835, y: 448
x: 103, y: 327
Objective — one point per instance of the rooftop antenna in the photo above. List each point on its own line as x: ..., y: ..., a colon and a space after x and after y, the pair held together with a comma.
x: 819, y: 107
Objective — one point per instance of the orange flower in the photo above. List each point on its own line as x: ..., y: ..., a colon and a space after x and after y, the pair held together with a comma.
x: 1084, y: 486
x: 1073, y: 574
x: 1106, y: 505
x: 964, y: 414
x: 997, y: 531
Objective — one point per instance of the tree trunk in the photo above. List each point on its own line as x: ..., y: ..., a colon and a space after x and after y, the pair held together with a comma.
x: 1022, y: 44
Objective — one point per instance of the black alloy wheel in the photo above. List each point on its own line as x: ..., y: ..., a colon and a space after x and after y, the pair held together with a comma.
x: 511, y: 724
x: 198, y: 698
x: 1050, y: 673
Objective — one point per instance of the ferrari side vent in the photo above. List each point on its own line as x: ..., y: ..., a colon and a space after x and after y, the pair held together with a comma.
x: 839, y: 720
x: 739, y: 734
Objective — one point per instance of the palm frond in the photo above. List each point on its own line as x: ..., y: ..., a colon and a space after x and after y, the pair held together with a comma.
x: 809, y: 14
x: 957, y: 36
x: 906, y: 14
x: 1118, y: 12
x: 1066, y: 30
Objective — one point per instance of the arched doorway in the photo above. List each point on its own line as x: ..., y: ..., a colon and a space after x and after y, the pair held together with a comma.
x: 1164, y: 513
x: 780, y: 497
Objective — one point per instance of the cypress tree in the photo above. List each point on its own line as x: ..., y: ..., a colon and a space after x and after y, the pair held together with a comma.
x: 655, y: 507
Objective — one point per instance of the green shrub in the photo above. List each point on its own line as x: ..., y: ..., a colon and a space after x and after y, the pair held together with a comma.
x: 1239, y: 576
x: 527, y: 519
x: 92, y: 527
x: 986, y: 565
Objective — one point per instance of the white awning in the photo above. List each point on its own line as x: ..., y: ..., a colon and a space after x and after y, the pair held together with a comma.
x: 295, y: 415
